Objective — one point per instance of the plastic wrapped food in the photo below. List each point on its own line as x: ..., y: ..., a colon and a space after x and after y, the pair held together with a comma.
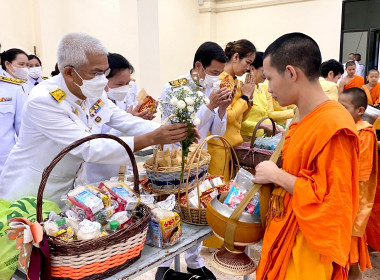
x: 164, y: 228
x: 240, y: 186
x: 122, y: 194
x: 89, y: 230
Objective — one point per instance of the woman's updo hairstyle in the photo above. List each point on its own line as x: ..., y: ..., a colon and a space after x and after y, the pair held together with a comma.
x: 243, y: 47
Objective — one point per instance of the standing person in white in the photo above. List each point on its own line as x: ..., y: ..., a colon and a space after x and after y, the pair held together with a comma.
x: 16, y: 66
x: 208, y: 64
x: 68, y: 107
x: 35, y: 70
x: 12, y: 99
x: 117, y: 91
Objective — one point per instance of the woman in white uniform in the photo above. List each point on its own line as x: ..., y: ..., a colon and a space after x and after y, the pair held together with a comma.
x: 35, y: 70
x: 15, y: 65
x: 116, y: 89
x: 12, y: 98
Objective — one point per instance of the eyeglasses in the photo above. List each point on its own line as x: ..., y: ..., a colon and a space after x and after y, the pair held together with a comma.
x: 95, y: 73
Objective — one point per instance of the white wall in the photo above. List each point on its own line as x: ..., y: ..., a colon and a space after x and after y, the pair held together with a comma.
x: 320, y: 19
x: 160, y: 37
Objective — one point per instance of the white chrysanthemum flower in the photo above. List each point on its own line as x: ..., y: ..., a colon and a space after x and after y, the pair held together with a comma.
x: 174, y: 101
x: 190, y: 109
x: 189, y: 101
x: 207, y: 101
x: 200, y: 94
x: 181, y: 104
x: 196, y: 121
x: 193, y: 116
x: 186, y: 89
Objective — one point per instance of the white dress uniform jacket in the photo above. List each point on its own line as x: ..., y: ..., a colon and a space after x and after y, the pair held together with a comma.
x: 53, y: 118
x: 12, y: 99
x: 24, y: 84
x: 210, y: 120
x: 31, y: 83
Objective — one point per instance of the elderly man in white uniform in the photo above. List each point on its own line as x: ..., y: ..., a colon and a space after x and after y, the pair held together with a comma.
x: 208, y: 64
x: 66, y: 108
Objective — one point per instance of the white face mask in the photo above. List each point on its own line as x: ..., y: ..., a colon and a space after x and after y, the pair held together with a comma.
x: 20, y: 73
x: 35, y: 72
x: 118, y: 94
x: 93, y: 88
x: 210, y: 80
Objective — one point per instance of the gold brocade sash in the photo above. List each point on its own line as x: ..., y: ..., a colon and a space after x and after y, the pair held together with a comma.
x: 276, y: 202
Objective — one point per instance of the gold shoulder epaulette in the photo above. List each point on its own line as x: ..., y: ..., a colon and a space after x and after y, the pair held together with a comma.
x: 179, y: 82
x: 44, y: 78
x: 58, y: 94
x: 133, y: 79
x: 11, y: 80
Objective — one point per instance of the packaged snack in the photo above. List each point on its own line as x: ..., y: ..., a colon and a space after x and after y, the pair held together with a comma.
x: 65, y: 234
x: 88, y: 230
x: 225, y: 83
x: 216, y: 182
x: 207, y: 196
x: 240, y: 186
x: 148, y: 101
x: 121, y: 193
x: 164, y: 228
x: 84, y: 202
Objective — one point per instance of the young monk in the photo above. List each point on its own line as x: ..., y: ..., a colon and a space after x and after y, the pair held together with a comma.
x: 315, y: 199
x: 373, y: 226
x: 372, y: 89
x: 355, y: 101
x: 351, y: 80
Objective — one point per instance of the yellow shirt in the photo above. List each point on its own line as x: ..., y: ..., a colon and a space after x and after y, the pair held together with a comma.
x: 236, y: 113
x: 258, y: 111
x: 276, y: 112
x: 330, y: 88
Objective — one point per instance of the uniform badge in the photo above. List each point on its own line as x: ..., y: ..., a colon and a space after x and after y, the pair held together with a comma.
x: 96, y: 107
x: 98, y: 119
x: 179, y: 82
x: 5, y: 99
x: 11, y: 80
x: 58, y: 94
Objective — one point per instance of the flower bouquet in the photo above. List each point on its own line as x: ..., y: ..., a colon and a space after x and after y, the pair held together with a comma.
x: 182, y: 104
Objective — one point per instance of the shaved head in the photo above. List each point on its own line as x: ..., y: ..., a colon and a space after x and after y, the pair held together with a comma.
x: 297, y: 50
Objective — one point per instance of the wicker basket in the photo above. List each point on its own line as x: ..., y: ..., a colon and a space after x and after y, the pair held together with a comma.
x: 102, y: 257
x: 166, y: 180
x: 249, y: 156
x: 192, y: 215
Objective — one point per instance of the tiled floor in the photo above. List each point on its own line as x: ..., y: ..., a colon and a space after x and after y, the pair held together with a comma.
x: 373, y: 274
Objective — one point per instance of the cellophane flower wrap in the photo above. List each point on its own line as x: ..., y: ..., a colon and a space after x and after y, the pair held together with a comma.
x: 182, y: 104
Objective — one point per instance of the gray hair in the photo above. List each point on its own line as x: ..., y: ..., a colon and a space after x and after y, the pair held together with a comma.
x: 74, y: 47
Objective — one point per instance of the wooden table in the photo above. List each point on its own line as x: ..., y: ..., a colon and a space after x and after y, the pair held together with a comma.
x: 152, y: 257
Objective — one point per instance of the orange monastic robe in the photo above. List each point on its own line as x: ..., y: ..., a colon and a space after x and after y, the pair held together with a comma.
x: 322, y: 151
x: 373, y: 95
x: 367, y: 188
x: 357, y: 81
x: 373, y: 226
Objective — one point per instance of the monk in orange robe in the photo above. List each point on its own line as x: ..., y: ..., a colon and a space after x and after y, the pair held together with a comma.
x: 373, y: 227
x: 315, y: 200
x: 355, y: 101
x: 351, y: 80
x: 372, y: 89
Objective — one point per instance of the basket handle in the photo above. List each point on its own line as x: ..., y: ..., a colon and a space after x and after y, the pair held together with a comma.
x: 197, y: 154
x: 229, y: 234
x: 257, y: 128
x: 53, y: 163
